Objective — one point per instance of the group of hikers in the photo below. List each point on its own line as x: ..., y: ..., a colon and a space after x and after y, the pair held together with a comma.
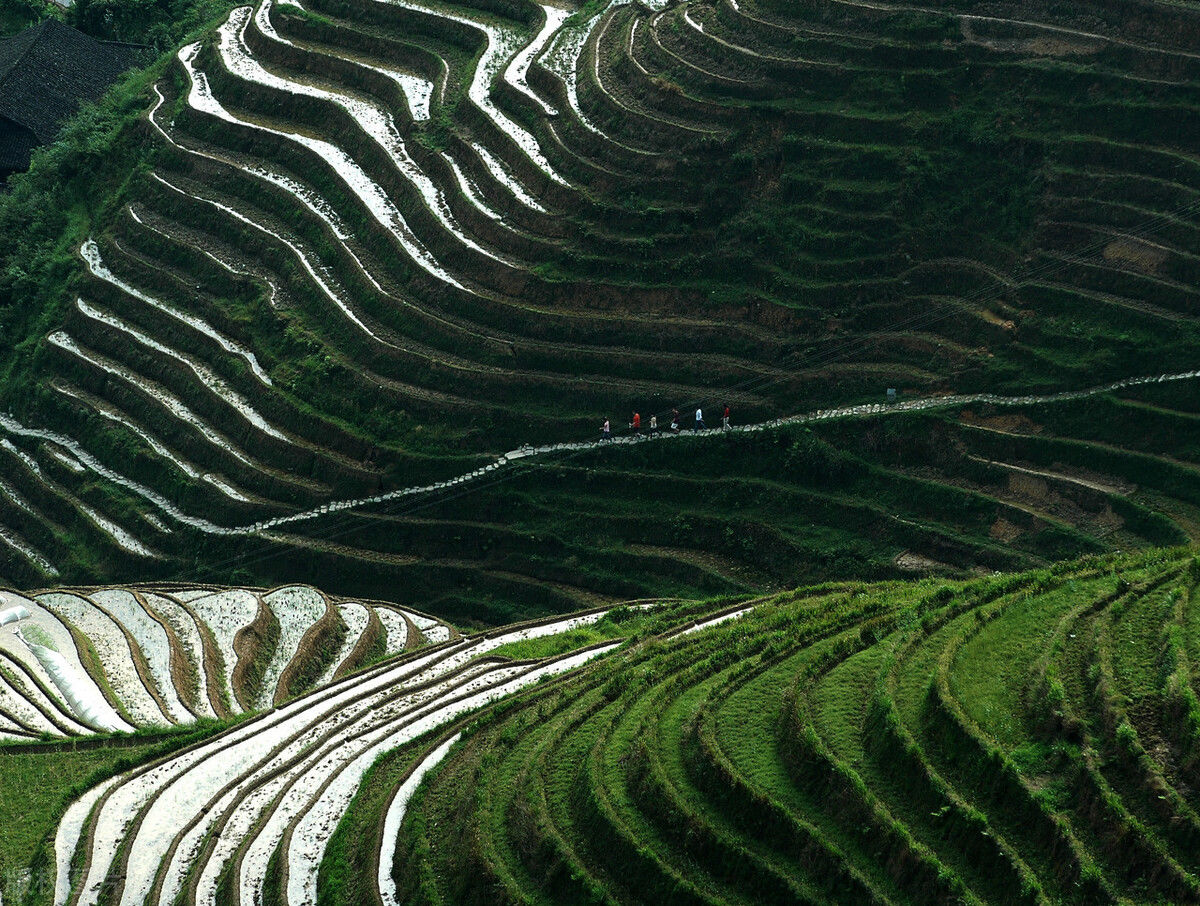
x: 676, y: 426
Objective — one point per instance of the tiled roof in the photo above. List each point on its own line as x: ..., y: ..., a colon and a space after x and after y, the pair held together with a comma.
x: 49, y: 69
x: 16, y: 144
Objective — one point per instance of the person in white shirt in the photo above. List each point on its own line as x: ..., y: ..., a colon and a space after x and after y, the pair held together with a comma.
x: 700, y: 419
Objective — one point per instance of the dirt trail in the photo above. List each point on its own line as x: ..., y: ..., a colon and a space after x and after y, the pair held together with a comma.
x: 1103, y: 487
x: 860, y: 411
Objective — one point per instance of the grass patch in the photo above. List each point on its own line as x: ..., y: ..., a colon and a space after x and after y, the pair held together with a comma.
x: 36, y: 787
x: 345, y: 877
x: 620, y: 622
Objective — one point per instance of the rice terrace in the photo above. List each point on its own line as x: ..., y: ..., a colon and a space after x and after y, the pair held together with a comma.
x: 607, y: 452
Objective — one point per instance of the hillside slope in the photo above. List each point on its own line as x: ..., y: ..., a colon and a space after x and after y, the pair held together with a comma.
x: 246, y: 812
x: 81, y: 661
x: 1023, y: 738
x: 370, y: 246
x: 1017, y: 739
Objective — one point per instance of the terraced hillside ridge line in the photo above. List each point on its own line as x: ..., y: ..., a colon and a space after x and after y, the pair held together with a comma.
x: 313, y: 271
x: 499, y: 48
x: 91, y: 254
x: 518, y: 70
x: 210, y: 380
x: 372, y: 246
x: 91, y: 660
x: 374, y: 121
x: 871, y: 409
x: 155, y: 646
x: 866, y: 410
x: 323, y: 310
x: 898, y: 742
x: 395, y: 816
x: 356, y: 618
x: 280, y: 781
x: 830, y: 417
x: 193, y: 671
x: 297, y: 609
x: 891, y: 742
x: 237, y: 57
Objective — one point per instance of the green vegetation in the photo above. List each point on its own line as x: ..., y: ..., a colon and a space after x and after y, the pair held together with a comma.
x: 346, y: 877
x: 18, y: 14
x: 159, y: 24
x: 255, y: 645
x: 620, y: 622
x: 320, y: 648
x: 631, y: 623
x: 37, y: 789
x: 1000, y: 740
x: 38, y: 781
x: 972, y: 695
x: 1018, y: 738
x: 790, y: 209
x: 73, y: 184
x: 948, y: 492
x: 156, y: 23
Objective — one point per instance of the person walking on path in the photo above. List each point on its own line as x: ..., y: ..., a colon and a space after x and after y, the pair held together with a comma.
x: 637, y: 423
x: 606, y: 431
x: 725, y: 417
x: 700, y: 419
x: 675, y: 420
x: 653, y: 424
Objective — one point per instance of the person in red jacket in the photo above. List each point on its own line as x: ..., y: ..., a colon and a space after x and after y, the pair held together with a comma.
x: 725, y: 418
x: 637, y: 423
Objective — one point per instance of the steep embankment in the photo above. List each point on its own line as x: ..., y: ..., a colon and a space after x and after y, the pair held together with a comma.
x: 80, y: 661
x: 1021, y: 738
x: 372, y: 246
x: 247, y: 815
x: 1025, y: 739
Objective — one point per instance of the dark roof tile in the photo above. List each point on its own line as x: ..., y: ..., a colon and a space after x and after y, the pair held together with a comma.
x: 49, y: 69
x: 16, y: 146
